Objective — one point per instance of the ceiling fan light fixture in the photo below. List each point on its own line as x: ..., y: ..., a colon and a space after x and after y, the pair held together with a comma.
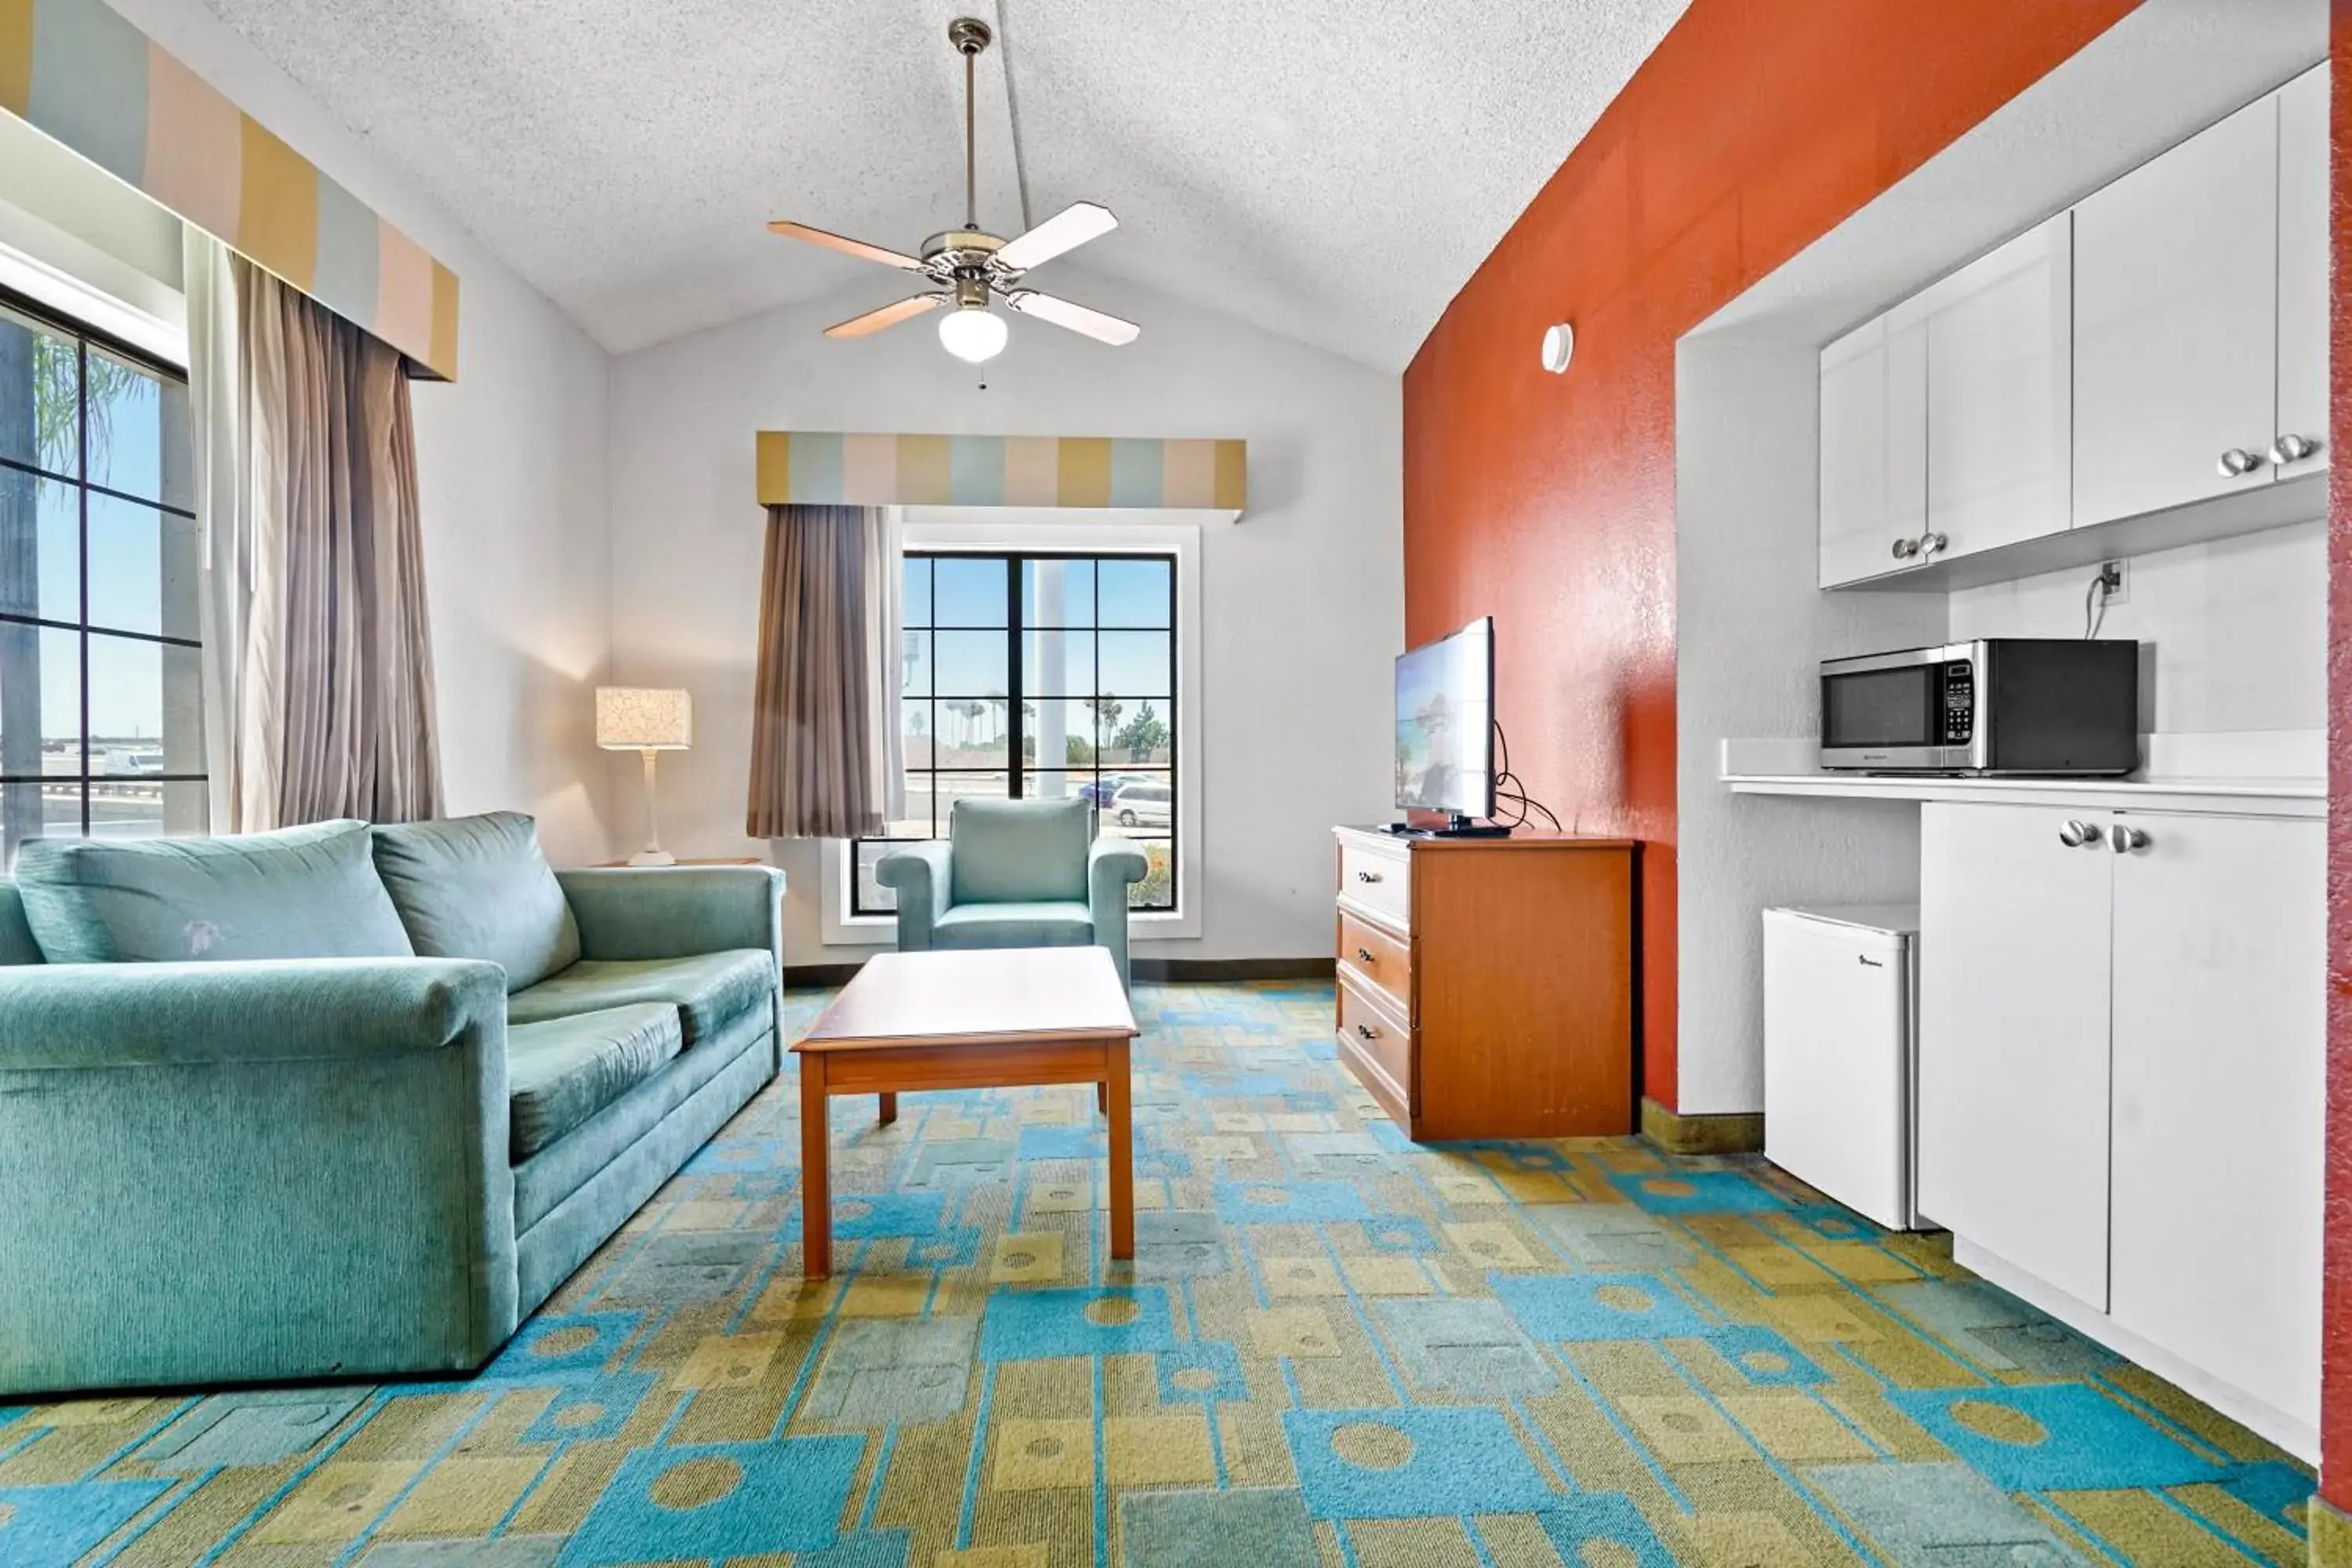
x: 973, y: 333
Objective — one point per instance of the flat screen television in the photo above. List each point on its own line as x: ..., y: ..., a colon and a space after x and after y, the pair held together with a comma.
x: 1445, y: 726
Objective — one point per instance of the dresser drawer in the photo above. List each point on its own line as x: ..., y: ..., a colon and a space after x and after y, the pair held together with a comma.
x: 1374, y: 1041
x: 1381, y: 883
x: 1377, y: 959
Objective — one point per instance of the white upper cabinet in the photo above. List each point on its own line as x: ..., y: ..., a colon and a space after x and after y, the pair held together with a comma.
x: 2303, y: 277
x: 2164, y: 344
x: 1873, y: 432
x: 2000, y: 395
x: 2175, y: 323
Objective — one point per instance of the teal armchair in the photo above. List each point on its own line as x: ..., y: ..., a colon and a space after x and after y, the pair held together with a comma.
x: 1015, y: 873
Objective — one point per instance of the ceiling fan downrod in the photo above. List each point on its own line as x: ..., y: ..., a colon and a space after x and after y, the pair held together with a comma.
x: 970, y: 35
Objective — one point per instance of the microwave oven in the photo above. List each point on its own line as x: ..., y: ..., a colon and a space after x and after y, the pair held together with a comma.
x: 1995, y: 706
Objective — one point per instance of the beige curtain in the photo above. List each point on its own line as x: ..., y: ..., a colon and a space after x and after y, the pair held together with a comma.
x: 318, y: 663
x: 825, y: 760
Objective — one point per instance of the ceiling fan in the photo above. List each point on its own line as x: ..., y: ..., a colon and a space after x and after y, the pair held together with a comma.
x: 969, y: 265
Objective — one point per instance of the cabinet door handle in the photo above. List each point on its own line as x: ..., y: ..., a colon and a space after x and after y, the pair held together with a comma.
x: 2124, y: 840
x: 1363, y: 955
x: 1368, y: 1031
x: 1368, y: 876
x: 2292, y: 449
x: 2237, y: 463
x: 1905, y: 548
x: 2076, y: 834
x: 1930, y: 543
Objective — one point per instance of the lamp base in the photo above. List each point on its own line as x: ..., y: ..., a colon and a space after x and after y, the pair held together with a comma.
x: 652, y: 858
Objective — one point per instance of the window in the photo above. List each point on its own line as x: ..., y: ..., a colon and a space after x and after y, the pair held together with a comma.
x: 1039, y: 675
x: 101, y: 728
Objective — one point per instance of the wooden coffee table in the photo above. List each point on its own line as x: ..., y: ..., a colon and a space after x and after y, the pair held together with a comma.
x: 992, y: 1018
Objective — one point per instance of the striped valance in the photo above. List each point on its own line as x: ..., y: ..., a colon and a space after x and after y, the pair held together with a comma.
x: 831, y: 469
x: 80, y: 73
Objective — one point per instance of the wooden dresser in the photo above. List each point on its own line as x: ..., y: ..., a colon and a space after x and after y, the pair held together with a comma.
x: 1486, y: 984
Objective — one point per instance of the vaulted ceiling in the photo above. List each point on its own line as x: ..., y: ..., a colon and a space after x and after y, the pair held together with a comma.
x: 1326, y: 170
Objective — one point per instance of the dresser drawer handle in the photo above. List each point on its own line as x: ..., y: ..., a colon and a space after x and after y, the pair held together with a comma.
x: 1368, y: 1031
x: 1368, y: 876
x: 1364, y: 955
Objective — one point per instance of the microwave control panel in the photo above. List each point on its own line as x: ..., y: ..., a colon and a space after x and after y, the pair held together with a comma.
x: 1960, y: 703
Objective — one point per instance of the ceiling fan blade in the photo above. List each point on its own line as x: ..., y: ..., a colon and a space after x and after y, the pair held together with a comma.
x: 1065, y: 230
x: 1077, y: 318
x: 887, y: 316
x: 847, y: 247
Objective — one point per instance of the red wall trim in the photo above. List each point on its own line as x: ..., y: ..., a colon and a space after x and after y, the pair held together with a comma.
x: 1754, y: 128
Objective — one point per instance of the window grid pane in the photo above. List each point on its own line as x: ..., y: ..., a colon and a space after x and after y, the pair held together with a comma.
x: 1002, y: 651
x: 101, y: 704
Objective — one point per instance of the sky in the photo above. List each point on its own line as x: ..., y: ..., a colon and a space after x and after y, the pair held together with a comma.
x: 126, y: 553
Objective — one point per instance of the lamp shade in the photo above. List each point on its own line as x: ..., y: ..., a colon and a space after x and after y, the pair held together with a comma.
x: 643, y: 719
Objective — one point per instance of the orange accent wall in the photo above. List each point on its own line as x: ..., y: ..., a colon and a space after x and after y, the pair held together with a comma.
x: 2335, y: 1311
x: 1754, y: 128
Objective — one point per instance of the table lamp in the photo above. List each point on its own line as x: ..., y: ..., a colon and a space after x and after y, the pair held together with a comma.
x: 648, y: 721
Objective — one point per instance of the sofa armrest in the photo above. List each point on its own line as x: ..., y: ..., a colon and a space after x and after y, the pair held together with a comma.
x: 678, y: 911
x: 81, y: 1015
x: 1111, y: 866
x: 239, y: 1173
x: 920, y: 875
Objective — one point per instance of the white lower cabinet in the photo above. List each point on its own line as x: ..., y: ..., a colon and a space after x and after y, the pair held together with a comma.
x: 2121, y: 1081
x: 2219, y: 1098
x: 2013, y: 953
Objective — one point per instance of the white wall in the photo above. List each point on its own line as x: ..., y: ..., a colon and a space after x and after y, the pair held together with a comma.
x: 2237, y: 629
x: 1302, y: 601
x: 510, y: 458
x: 1752, y: 626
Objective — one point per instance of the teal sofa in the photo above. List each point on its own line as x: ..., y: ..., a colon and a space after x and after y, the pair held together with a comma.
x: 341, y: 1102
x: 1015, y: 873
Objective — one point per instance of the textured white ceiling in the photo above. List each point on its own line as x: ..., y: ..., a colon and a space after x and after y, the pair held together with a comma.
x: 1327, y: 169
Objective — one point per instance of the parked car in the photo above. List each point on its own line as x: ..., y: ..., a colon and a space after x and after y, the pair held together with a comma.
x: 1099, y: 792
x: 1143, y: 804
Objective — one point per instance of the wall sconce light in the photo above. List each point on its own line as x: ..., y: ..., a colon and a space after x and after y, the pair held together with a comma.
x: 1558, y: 347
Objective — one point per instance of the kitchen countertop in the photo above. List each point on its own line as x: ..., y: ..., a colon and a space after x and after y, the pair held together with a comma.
x: 1784, y: 768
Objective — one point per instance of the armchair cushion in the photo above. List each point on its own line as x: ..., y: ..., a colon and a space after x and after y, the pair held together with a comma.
x: 710, y: 991
x: 477, y: 887
x: 564, y: 1071
x: 303, y: 892
x: 1018, y: 851
x: 1054, y: 922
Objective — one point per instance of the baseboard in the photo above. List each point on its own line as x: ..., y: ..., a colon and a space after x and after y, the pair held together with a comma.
x: 1679, y: 1134
x: 828, y: 976
x: 1232, y: 969
x: 2331, y: 1535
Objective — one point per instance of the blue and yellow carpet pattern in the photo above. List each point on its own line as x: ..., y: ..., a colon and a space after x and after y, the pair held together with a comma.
x: 1333, y: 1348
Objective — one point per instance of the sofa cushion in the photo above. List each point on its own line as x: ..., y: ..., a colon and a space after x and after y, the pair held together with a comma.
x: 1054, y: 922
x: 300, y: 892
x: 708, y: 990
x: 477, y: 887
x: 564, y: 1071
x: 17, y: 943
x: 1018, y: 851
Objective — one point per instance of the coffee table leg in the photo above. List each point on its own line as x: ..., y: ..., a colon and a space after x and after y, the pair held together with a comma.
x: 889, y: 1109
x: 1122, y: 1152
x: 816, y: 1200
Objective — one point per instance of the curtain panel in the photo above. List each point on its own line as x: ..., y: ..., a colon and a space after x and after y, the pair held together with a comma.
x: 826, y: 760
x: 317, y: 660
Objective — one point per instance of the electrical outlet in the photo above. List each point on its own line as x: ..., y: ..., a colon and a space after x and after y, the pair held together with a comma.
x: 2117, y: 578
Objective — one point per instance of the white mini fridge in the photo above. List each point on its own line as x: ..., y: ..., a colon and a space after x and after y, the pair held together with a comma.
x: 1840, y: 1027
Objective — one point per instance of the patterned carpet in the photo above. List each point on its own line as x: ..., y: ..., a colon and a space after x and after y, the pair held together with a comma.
x: 1333, y: 1348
